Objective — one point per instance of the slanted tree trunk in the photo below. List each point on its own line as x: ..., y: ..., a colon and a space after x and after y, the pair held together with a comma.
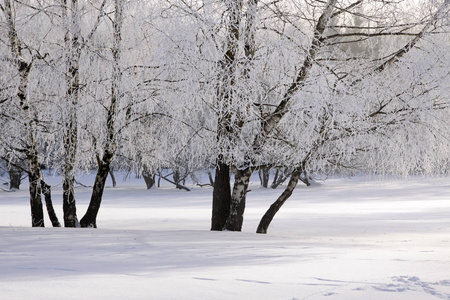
x: 221, y: 197
x: 104, y: 164
x: 282, y: 108
x: 305, y: 178
x: 90, y: 218
x: 278, y: 179
x: 275, y: 207
x: 237, y: 206
x: 177, y: 185
x: 46, y: 190
x: 315, y: 45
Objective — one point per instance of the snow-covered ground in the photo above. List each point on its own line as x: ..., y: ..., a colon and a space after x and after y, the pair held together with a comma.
x: 343, y: 239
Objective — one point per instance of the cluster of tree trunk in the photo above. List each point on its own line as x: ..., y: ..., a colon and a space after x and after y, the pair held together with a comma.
x: 240, y: 21
x: 70, y: 14
x: 229, y: 204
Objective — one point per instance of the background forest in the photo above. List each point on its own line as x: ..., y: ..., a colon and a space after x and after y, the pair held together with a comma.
x: 234, y: 86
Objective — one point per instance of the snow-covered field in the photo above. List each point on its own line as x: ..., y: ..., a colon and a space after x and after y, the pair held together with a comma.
x: 343, y: 239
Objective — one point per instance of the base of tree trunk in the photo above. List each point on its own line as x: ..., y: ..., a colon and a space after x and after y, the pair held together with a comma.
x: 69, y: 204
x: 237, y: 206
x: 149, y: 179
x: 221, y: 197
x: 37, y: 212
x: 89, y: 220
x: 15, y: 177
x: 264, y: 175
x: 46, y: 190
x: 113, y: 178
x: 275, y: 207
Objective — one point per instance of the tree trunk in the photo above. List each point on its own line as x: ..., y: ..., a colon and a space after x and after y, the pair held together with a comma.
x: 238, y: 198
x: 279, y: 178
x: 264, y: 175
x: 305, y: 178
x: 177, y: 185
x: 23, y: 69
x: 113, y: 178
x: 15, y: 177
x: 268, y: 216
x: 90, y: 218
x: 221, y: 197
x: 46, y: 190
x: 241, y: 177
x: 73, y: 54
x: 275, y: 178
x: 149, y: 179
x: 176, y: 177
x: 221, y: 190
x: 69, y: 206
x: 37, y: 212
x: 159, y: 178
x: 211, y: 179
x: 104, y: 164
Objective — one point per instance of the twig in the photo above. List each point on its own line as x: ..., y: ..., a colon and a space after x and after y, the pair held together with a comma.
x: 179, y: 186
x: 77, y: 182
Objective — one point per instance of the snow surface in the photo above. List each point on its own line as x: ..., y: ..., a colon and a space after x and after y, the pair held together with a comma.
x: 344, y: 239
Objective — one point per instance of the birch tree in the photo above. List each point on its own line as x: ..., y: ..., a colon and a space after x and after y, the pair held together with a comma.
x: 110, y: 146
x: 24, y: 66
x: 259, y: 104
x: 72, y: 46
x: 25, y: 145
x: 368, y: 126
